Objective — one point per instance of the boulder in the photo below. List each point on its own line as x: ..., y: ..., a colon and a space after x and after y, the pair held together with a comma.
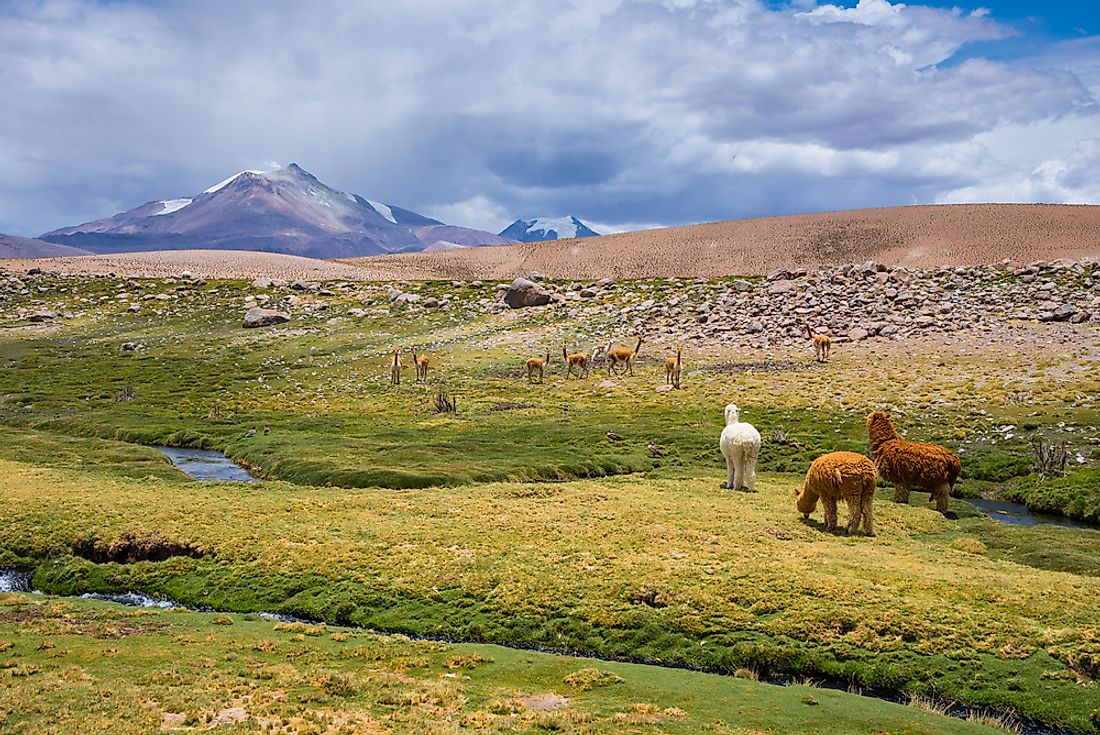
x: 781, y: 286
x: 523, y: 293
x: 260, y: 317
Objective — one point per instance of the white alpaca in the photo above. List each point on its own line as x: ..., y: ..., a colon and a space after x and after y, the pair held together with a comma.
x: 740, y: 445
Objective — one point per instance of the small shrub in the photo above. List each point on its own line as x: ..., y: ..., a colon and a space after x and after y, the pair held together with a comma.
x: 807, y: 699
x: 445, y: 403
x: 1048, y: 459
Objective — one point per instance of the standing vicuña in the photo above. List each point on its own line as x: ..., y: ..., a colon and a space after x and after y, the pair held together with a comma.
x: 740, y: 444
x: 421, y: 364
x: 911, y: 464
x: 673, y: 366
x: 622, y: 357
x: 822, y: 344
x: 577, y: 360
x: 840, y: 476
x: 537, y: 366
x: 395, y: 369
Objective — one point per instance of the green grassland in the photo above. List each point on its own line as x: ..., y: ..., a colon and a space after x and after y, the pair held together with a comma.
x: 518, y: 521
x: 80, y: 667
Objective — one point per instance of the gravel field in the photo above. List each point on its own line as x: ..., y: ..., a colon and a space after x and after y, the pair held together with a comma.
x: 913, y: 237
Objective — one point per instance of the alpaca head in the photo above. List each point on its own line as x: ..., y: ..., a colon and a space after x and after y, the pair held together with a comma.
x: 733, y: 414
x: 879, y: 429
x: 805, y: 501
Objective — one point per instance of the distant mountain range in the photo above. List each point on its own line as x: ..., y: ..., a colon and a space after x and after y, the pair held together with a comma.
x: 283, y: 211
x: 547, y: 228
x: 27, y: 247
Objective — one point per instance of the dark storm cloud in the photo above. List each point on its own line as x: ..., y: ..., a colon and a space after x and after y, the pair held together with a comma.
x: 623, y: 112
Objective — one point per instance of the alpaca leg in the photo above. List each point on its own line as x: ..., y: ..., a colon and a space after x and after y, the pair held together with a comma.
x: 941, y: 494
x: 830, y: 513
x: 750, y: 474
x: 730, y: 474
x: 901, y: 493
x: 855, y: 514
x: 868, y: 515
x: 739, y: 472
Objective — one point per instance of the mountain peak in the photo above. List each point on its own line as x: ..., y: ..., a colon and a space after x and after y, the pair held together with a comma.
x: 285, y: 210
x: 538, y: 229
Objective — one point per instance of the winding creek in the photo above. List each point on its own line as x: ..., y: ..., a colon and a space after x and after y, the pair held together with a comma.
x: 19, y: 580
x: 207, y: 465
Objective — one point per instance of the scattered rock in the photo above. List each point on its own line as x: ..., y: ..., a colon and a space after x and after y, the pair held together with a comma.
x: 260, y: 317
x: 781, y: 287
x: 523, y: 293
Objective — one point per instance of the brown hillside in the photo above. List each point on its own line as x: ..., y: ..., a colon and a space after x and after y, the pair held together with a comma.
x: 918, y: 236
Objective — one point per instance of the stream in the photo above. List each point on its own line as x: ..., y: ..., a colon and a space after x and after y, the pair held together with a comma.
x: 205, y: 464
x: 1015, y: 514
x: 19, y: 580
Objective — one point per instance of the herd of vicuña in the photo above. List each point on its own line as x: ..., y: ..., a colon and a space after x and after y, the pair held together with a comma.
x: 832, y: 477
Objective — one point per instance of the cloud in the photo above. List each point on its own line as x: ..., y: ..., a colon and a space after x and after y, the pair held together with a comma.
x: 482, y: 111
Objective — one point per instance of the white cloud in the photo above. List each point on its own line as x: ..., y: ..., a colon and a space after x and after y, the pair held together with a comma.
x: 480, y: 112
x: 479, y: 212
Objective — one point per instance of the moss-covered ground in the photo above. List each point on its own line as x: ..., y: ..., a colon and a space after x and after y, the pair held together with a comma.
x: 81, y: 667
x: 517, y: 520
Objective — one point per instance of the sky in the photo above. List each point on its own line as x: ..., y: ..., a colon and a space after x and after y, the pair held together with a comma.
x: 626, y: 113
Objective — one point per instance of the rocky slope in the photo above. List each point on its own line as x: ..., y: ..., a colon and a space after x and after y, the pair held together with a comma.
x: 918, y: 237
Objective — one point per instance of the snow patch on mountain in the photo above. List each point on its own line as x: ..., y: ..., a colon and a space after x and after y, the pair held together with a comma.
x: 383, y: 210
x: 172, y: 205
x: 227, y: 182
x: 548, y: 228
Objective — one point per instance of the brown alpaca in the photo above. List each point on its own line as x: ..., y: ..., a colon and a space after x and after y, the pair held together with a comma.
x: 537, y: 366
x: 395, y: 369
x: 672, y: 368
x: 822, y: 344
x: 421, y: 364
x: 623, y: 357
x: 906, y: 464
x: 840, y: 476
x: 577, y: 360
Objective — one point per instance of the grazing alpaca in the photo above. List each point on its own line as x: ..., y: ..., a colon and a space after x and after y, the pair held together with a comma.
x: 740, y: 444
x: 907, y: 464
x: 623, y: 357
x: 421, y: 364
x: 672, y: 368
x: 840, y: 476
x: 537, y: 366
x: 822, y: 344
x: 395, y: 369
x: 577, y: 360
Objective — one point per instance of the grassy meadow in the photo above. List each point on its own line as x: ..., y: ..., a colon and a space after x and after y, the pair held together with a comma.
x: 517, y: 520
